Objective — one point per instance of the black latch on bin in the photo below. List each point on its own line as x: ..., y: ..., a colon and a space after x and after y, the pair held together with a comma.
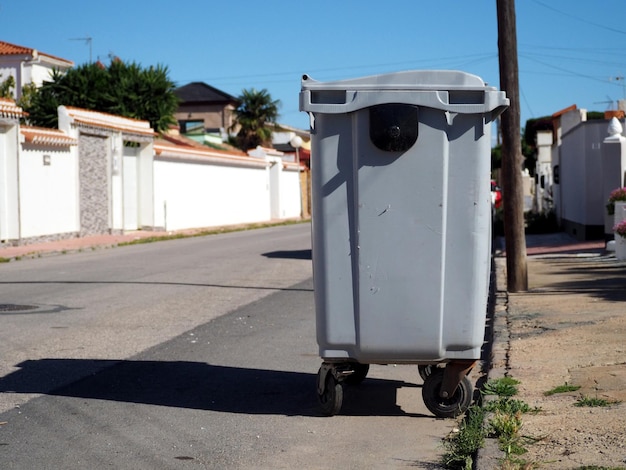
x: 393, y: 127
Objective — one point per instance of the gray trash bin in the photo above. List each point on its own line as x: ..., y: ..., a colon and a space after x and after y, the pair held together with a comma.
x: 401, y: 227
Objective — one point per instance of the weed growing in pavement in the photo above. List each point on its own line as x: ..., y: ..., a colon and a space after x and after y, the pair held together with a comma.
x: 594, y: 402
x: 4, y: 260
x: 460, y: 449
x: 562, y: 389
x: 505, y: 425
x: 506, y: 422
x: 510, y: 406
x: 585, y: 400
x: 503, y: 387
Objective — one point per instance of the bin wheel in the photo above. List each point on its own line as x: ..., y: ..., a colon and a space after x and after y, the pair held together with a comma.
x: 425, y: 371
x: 446, y: 407
x: 359, y: 374
x: 331, y: 398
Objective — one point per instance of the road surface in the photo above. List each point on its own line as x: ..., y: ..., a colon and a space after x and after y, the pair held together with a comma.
x: 192, y: 353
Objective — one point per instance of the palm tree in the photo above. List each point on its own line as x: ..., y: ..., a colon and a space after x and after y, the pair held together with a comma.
x: 256, y: 111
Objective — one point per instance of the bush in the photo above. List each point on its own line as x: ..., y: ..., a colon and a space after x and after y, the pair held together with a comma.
x: 617, y: 195
x: 541, y: 223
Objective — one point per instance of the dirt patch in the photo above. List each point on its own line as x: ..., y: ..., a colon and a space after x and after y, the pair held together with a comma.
x: 570, y: 327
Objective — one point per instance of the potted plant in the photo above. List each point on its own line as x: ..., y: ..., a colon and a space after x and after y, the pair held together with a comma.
x: 617, y: 195
x: 620, y: 240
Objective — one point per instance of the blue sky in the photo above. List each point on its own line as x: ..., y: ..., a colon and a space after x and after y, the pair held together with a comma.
x: 570, y: 51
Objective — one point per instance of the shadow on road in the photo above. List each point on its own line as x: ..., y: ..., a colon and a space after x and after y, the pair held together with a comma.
x: 197, y: 385
x: 290, y: 254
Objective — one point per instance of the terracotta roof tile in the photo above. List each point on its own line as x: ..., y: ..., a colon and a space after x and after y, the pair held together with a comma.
x: 8, y: 109
x: 166, y: 149
x: 6, y: 48
x: 42, y: 136
x: 13, y: 49
x: 87, y: 117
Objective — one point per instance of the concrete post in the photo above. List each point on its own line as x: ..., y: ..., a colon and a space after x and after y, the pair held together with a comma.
x: 9, y: 181
x: 613, y: 168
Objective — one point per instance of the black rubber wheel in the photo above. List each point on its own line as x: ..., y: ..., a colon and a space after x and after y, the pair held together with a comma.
x: 446, y: 407
x: 425, y: 371
x: 332, y: 397
x: 359, y: 374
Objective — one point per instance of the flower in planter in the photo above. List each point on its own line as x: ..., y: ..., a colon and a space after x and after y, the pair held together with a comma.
x: 620, y: 229
x: 617, y: 195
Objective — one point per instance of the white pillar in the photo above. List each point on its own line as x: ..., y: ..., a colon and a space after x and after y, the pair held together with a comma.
x: 613, y: 167
x: 9, y: 181
x: 145, y: 183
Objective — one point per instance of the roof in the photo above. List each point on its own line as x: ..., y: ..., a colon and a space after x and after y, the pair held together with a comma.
x: 86, y: 117
x: 185, y: 141
x: 43, y: 136
x: 8, y: 109
x: 199, y: 92
x: 563, y: 111
x: 8, y: 49
x: 165, y: 150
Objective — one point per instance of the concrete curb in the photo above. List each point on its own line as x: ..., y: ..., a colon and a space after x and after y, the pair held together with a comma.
x: 489, y: 457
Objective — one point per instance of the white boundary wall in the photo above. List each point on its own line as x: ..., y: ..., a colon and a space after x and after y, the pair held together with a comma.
x: 204, y: 189
x: 48, y: 191
x: 151, y: 187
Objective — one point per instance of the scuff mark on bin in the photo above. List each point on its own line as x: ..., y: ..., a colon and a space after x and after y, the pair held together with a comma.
x: 385, y: 210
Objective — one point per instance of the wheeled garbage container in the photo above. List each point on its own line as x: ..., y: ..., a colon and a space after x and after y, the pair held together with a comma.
x: 401, y: 227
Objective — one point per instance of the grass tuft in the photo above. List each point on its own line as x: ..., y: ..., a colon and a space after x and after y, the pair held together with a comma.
x: 594, y: 402
x: 503, y: 387
x: 509, y: 405
x: 460, y: 448
x: 562, y: 389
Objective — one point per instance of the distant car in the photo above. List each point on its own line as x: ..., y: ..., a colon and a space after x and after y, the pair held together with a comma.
x: 496, y: 195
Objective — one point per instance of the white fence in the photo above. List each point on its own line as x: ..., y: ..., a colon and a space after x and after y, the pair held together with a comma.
x: 106, y: 174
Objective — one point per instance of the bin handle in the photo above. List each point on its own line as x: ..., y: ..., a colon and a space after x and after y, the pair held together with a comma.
x: 495, y: 102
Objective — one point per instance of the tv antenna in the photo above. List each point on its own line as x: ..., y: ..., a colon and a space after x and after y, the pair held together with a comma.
x: 620, y: 79
x: 609, y: 103
x: 88, y: 40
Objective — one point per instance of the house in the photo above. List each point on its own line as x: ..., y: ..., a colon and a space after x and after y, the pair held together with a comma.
x: 585, y: 166
x: 27, y: 65
x: 205, y: 113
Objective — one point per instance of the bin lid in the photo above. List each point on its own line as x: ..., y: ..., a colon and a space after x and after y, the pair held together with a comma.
x: 406, y: 80
x: 448, y: 90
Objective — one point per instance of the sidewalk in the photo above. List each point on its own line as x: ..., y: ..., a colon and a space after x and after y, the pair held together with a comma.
x: 568, y: 328
x: 74, y: 244
x: 77, y: 244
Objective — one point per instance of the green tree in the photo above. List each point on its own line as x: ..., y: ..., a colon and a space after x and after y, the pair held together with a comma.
x: 6, y: 87
x: 28, y: 91
x: 123, y: 89
x: 254, y: 114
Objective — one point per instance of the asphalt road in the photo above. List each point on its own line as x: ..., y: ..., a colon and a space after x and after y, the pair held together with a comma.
x: 191, y: 353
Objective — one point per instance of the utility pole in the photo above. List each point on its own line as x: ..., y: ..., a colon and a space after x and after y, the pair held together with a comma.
x: 512, y: 188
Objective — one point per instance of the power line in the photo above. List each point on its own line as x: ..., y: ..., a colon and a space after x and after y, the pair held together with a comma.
x: 427, y: 61
x: 608, y: 28
x: 575, y: 59
x: 561, y: 69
